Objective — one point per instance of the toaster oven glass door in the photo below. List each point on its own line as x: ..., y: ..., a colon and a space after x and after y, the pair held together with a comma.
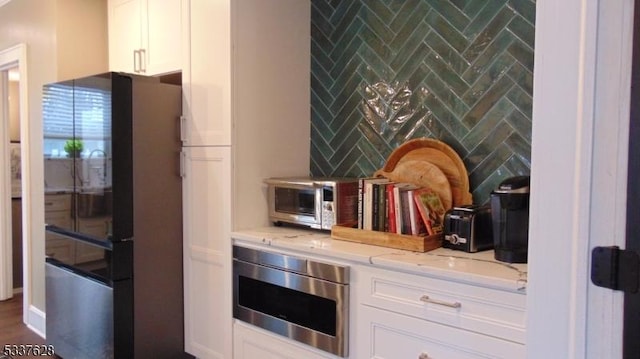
x: 297, y: 201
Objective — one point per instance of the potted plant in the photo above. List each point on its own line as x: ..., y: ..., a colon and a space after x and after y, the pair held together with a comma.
x: 73, y: 147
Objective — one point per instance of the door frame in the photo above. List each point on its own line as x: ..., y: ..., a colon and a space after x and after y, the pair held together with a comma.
x: 12, y: 57
x: 578, y: 174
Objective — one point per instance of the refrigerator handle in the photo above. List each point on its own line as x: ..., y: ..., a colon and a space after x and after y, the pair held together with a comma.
x: 183, y: 129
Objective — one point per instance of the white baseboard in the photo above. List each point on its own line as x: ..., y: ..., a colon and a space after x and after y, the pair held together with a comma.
x: 36, y: 321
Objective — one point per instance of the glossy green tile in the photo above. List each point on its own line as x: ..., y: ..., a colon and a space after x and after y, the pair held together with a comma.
x: 521, y: 76
x: 466, y: 66
x: 525, y: 8
x: 451, y: 13
x: 482, y: 132
x: 490, y: 32
x: 487, y: 78
x: 523, y: 29
x: 407, y: 10
x: 491, y: 96
x: 482, y: 14
x: 448, y: 54
x: 437, y: 65
x: 522, y: 53
x: 447, y: 96
x: 446, y: 30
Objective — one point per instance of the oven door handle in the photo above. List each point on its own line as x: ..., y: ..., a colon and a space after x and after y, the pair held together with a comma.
x: 283, y: 261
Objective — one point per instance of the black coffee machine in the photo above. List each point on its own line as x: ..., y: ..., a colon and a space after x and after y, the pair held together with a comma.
x: 510, y: 219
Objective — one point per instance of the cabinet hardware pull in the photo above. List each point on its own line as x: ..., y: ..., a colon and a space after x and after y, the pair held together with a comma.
x: 143, y: 61
x: 136, y: 56
x: 48, y: 203
x: 427, y: 299
x: 424, y: 356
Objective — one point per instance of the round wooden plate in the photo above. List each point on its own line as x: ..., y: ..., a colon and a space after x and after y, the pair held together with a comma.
x: 440, y: 154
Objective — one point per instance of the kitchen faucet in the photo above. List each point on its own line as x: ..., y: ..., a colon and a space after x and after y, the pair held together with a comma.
x: 104, y: 166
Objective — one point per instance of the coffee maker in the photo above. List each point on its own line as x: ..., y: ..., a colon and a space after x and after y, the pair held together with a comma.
x: 510, y: 219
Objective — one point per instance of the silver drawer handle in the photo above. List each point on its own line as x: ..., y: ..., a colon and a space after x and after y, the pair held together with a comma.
x: 424, y: 356
x: 427, y: 299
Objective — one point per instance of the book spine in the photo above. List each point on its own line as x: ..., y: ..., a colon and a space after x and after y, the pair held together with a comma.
x: 360, y: 201
x: 382, y: 208
x: 398, y: 209
x: 406, y: 219
x: 391, y: 209
x: 375, y: 207
x: 412, y: 213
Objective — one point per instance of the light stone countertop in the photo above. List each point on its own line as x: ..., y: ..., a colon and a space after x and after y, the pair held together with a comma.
x: 472, y: 268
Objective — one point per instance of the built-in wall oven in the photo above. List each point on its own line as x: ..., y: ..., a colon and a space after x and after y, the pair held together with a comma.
x: 303, y: 299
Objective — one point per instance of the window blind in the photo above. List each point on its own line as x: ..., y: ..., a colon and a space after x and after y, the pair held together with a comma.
x: 89, y: 106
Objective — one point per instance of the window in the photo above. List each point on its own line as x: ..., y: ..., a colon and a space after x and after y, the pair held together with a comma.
x: 89, y: 106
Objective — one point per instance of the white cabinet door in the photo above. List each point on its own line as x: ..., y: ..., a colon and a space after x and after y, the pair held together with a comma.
x: 125, y: 34
x: 207, y: 251
x: 163, y: 34
x: 145, y: 36
x: 206, y: 76
x: 251, y: 343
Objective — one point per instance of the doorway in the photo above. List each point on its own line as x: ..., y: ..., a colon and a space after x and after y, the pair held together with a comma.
x: 13, y: 82
x: 12, y: 115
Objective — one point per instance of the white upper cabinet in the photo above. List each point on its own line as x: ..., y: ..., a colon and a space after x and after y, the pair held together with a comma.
x: 145, y: 36
x: 206, y: 76
x: 246, y: 79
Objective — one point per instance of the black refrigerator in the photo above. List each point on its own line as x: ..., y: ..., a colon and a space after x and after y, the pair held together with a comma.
x: 113, y: 271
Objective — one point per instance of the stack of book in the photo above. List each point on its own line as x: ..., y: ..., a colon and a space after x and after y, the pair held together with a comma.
x: 398, y: 207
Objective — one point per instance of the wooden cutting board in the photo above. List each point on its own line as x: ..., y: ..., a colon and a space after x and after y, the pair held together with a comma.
x: 439, y: 154
x: 424, y: 174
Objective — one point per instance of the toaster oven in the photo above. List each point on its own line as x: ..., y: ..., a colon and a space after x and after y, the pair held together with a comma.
x: 317, y: 203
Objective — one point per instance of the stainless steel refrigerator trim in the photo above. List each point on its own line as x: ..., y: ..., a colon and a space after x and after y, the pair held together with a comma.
x: 91, y: 312
x: 276, y: 275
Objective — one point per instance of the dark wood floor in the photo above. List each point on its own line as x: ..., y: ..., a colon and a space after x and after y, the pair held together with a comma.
x: 12, y: 330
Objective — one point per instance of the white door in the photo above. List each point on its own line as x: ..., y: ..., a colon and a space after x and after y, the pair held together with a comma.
x: 207, y: 251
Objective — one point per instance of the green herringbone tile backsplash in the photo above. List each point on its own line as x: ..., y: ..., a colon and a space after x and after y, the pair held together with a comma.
x: 383, y: 72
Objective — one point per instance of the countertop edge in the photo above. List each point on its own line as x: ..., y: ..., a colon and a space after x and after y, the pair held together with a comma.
x: 495, y: 274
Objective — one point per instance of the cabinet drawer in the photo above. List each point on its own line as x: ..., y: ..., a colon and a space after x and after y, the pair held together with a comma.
x: 484, y: 310
x: 387, y: 335
x: 57, y: 202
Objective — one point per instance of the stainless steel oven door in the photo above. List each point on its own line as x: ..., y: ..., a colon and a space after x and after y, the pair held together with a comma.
x: 306, y: 309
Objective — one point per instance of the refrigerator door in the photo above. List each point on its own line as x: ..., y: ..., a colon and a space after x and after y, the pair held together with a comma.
x: 92, y: 116
x: 77, y: 305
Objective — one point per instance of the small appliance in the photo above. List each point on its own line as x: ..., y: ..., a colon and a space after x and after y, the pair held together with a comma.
x: 510, y: 218
x: 468, y: 228
x: 317, y: 203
